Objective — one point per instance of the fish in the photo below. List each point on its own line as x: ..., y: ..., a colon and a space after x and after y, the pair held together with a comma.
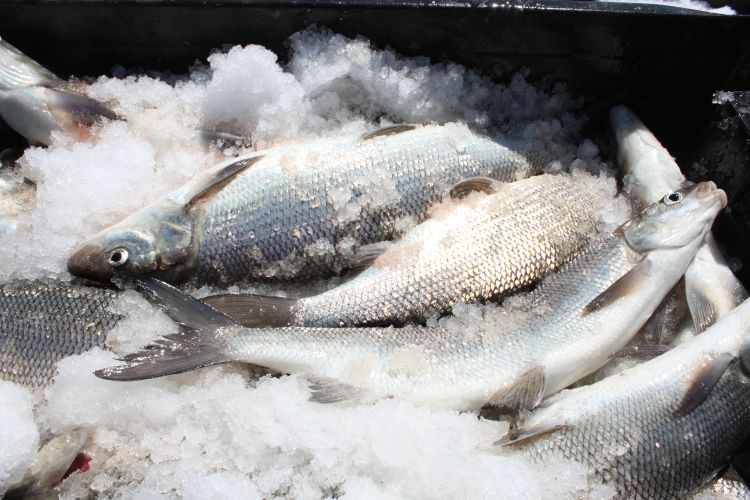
x: 711, y: 288
x: 36, y: 103
x: 563, y: 330
x: 301, y: 211
x: 43, y: 321
x: 660, y: 429
x: 468, y: 250
x: 17, y: 197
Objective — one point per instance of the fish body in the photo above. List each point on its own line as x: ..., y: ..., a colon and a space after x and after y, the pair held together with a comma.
x: 468, y: 250
x: 651, y: 173
x: 660, y: 429
x: 17, y: 196
x: 298, y: 212
x: 570, y: 326
x: 42, y: 322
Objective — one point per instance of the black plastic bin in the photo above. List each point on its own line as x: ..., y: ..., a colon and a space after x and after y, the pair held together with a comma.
x: 666, y: 63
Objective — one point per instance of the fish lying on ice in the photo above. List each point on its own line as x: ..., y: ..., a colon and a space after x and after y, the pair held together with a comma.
x: 570, y: 326
x: 712, y: 290
x: 660, y: 429
x: 17, y: 196
x: 470, y: 250
x: 35, y: 103
x: 301, y: 211
x: 42, y: 322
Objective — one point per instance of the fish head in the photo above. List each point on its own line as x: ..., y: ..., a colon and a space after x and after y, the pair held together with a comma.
x: 155, y: 240
x: 677, y: 220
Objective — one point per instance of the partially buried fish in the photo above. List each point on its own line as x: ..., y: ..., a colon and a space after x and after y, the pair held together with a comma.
x: 17, y: 196
x: 570, y: 326
x: 660, y: 429
x: 42, y: 322
x: 711, y: 289
x: 469, y: 250
x: 36, y: 103
x: 300, y: 211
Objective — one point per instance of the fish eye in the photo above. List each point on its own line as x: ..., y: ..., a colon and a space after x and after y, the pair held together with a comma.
x: 673, y: 198
x: 118, y: 257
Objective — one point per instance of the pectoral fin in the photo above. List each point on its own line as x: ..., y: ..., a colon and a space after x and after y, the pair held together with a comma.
x: 630, y: 283
x: 525, y: 436
x: 704, y: 378
x: 365, y: 256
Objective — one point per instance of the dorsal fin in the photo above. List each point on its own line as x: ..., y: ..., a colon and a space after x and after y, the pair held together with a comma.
x: 389, y: 130
x: 210, y: 183
x: 704, y: 378
x: 465, y: 187
x: 627, y: 284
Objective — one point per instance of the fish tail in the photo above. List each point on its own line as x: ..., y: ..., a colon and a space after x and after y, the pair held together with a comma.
x: 201, y: 342
x: 255, y: 311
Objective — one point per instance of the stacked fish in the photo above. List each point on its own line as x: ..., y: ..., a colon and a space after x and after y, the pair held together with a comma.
x: 419, y: 220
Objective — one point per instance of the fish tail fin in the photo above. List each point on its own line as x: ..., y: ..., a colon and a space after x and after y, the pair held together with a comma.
x: 255, y: 311
x: 201, y: 342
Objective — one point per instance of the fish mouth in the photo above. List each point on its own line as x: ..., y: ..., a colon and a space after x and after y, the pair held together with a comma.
x: 88, y: 262
x: 709, y: 188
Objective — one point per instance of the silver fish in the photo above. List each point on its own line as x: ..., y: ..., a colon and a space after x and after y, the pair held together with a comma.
x: 712, y: 290
x: 17, y: 196
x: 35, y: 102
x: 660, y: 429
x: 570, y: 326
x: 298, y: 212
x: 469, y: 250
x: 42, y: 322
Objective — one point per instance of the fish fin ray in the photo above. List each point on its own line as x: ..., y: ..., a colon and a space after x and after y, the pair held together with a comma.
x: 704, y: 379
x: 329, y: 390
x: 183, y: 309
x: 525, y: 436
x: 627, y: 284
x: 524, y: 394
x: 254, y: 311
x: 389, y: 130
x: 703, y: 311
x: 465, y: 187
x: 81, y: 109
x: 365, y: 256
x: 645, y: 351
x: 209, y: 185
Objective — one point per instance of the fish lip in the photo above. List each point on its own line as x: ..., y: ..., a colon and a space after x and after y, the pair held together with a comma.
x: 709, y: 189
x: 86, y: 262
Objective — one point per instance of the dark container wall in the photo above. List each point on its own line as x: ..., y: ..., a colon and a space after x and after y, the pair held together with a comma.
x: 664, y: 62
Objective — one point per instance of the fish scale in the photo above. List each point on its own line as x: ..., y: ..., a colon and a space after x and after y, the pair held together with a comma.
x: 259, y: 226
x: 482, y: 248
x: 624, y: 429
x: 42, y: 322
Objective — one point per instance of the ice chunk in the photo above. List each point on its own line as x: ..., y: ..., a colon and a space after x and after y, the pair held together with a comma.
x: 19, y: 438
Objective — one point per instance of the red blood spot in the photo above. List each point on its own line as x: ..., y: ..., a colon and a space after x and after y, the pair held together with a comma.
x: 82, y: 463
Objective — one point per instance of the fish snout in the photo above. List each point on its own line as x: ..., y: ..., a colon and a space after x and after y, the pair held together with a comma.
x: 89, y: 262
x: 709, y: 189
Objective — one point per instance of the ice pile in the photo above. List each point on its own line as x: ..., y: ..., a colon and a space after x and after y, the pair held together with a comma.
x: 221, y: 431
